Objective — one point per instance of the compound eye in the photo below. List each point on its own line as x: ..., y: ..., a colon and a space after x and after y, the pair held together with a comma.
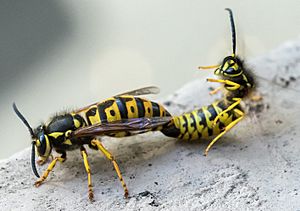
x: 230, y: 71
x: 42, y: 138
x: 42, y: 147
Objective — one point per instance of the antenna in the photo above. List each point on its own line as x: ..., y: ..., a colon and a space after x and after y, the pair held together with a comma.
x: 23, y: 119
x: 232, y: 30
x: 32, y: 135
x: 33, y: 160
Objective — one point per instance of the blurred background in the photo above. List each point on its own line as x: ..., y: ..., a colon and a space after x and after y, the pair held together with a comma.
x: 58, y: 55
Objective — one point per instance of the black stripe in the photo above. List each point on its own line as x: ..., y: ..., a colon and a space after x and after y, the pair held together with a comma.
x: 193, y: 124
x: 210, y: 131
x: 140, y: 107
x: 121, y: 103
x: 202, y: 117
x: 213, y: 112
x: 90, y: 112
x: 155, y: 109
x: 222, y: 105
x: 102, y: 107
x: 171, y: 130
x: 187, y: 126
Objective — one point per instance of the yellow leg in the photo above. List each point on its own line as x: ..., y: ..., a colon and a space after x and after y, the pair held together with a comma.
x: 42, y: 161
x: 100, y: 147
x: 227, y: 128
x: 208, y: 67
x: 88, y: 171
x: 238, y: 101
x: 216, y: 90
x: 234, y: 86
x: 50, y: 167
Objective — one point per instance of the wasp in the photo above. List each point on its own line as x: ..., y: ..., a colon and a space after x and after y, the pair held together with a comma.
x: 73, y: 130
x: 222, y: 115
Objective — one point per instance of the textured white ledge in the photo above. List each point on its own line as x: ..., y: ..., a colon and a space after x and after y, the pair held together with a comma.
x: 255, y: 166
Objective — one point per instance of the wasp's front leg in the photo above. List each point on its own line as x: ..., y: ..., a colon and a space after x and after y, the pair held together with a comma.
x: 61, y: 159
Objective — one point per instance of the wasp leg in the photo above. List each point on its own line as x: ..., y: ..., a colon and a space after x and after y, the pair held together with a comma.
x: 41, y: 162
x: 233, y: 85
x: 61, y: 159
x: 238, y: 101
x: 226, y: 129
x: 100, y: 147
x: 215, y: 91
x: 88, y: 171
x: 209, y: 67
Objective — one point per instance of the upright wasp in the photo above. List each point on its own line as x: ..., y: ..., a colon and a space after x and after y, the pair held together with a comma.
x: 73, y: 130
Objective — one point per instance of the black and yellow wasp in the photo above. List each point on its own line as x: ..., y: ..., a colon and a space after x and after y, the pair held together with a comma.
x: 219, y: 117
x: 73, y: 130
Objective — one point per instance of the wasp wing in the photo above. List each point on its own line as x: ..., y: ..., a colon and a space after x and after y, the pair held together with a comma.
x: 136, y: 125
x: 142, y: 91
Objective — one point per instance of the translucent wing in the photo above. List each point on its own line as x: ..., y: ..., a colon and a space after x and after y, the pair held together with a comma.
x: 136, y: 125
x: 142, y: 91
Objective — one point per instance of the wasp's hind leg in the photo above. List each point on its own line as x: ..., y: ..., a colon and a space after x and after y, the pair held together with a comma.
x: 61, y: 159
x: 96, y: 144
x: 226, y: 129
x: 231, y: 107
x: 88, y: 171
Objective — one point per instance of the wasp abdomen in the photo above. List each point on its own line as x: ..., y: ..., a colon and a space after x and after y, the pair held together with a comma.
x: 199, y: 123
x: 122, y: 108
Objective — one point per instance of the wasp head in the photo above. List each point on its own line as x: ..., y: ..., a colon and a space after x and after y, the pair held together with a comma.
x: 231, y: 67
x: 42, y: 143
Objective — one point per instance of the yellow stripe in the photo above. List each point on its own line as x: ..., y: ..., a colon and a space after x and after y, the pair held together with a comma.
x: 147, y: 104
x: 76, y: 123
x: 68, y: 142
x: 48, y: 147
x: 96, y: 118
x: 117, y: 116
x: 225, y: 66
x: 56, y: 134
x: 181, y: 121
x: 129, y: 104
x: 162, y: 110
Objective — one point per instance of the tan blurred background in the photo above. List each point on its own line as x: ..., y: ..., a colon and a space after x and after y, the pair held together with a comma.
x: 66, y: 54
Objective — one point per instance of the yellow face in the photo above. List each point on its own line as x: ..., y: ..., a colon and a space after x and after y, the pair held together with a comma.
x: 231, y: 67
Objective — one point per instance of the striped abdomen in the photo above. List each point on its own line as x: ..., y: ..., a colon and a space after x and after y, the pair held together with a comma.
x: 199, y: 123
x: 123, y: 107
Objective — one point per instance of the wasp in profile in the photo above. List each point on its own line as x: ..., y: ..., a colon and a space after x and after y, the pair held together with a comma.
x: 70, y: 131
